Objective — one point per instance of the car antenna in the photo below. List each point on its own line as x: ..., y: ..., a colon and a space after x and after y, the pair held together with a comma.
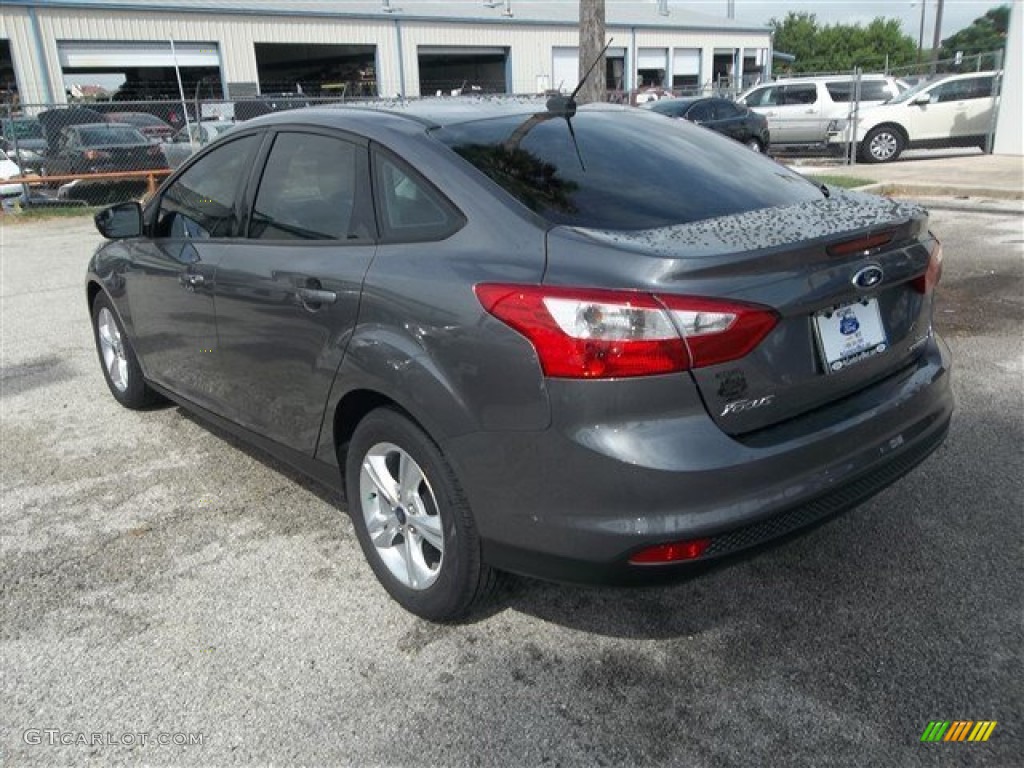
x: 565, y: 106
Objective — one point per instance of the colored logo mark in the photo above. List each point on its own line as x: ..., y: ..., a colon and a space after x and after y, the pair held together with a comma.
x: 958, y: 730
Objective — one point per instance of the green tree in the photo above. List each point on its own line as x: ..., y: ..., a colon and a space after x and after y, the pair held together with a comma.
x: 985, y: 34
x: 840, y: 47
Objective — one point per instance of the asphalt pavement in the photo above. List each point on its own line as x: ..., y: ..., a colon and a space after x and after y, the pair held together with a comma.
x: 163, y: 583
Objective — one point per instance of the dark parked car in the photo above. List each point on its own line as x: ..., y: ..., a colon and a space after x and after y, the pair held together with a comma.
x: 150, y: 126
x: 103, y: 148
x: 734, y: 120
x: 509, y: 359
x: 27, y: 134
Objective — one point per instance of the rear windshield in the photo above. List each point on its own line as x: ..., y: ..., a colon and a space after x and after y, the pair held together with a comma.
x: 627, y: 169
x: 113, y: 135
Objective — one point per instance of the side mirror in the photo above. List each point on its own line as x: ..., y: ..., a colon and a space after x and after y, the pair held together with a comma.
x: 921, y: 99
x: 120, y: 221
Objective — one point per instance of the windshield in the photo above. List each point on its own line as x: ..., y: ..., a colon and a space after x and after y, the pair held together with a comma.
x: 627, y: 169
x: 99, y: 135
x: 909, y: 94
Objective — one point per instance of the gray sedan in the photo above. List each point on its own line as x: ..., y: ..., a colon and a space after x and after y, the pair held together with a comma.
x: 584, y: 344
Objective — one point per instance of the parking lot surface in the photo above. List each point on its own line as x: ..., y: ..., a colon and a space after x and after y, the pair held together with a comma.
x: 163, y: 583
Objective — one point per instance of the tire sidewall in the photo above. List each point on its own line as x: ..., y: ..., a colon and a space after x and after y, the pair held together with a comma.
x: 455, y: 586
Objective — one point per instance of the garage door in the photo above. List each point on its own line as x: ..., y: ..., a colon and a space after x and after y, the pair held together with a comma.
x: 95, y: 55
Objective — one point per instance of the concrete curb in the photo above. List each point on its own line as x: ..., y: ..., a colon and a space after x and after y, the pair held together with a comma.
x: 918, y: 189
x: 945, y: 198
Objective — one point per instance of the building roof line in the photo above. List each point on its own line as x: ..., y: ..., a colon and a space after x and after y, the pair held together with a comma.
x: 203, y: 8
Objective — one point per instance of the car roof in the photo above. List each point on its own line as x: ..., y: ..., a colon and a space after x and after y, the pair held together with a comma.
x: 405, y: 117
x: 840, y: 77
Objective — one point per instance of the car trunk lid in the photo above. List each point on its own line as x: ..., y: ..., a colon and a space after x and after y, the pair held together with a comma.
x: 837, y: 272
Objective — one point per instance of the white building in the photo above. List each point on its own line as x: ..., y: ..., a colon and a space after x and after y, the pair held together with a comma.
x: 239, y: 48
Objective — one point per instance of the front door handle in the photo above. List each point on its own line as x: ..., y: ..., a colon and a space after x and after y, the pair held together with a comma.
x: 191, y: 281
x: 314, y: 298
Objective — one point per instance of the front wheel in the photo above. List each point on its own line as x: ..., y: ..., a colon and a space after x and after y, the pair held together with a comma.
x: 882, y: 145
x: 117, y: 358
x: 412, y: 520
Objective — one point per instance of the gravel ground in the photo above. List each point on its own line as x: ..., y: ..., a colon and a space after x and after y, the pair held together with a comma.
x: 162, y: 582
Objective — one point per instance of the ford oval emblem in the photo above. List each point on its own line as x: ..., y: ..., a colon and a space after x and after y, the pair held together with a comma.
x: 869, y: 276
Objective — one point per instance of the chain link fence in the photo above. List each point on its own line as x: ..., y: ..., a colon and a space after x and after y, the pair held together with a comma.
x: 95, y: 151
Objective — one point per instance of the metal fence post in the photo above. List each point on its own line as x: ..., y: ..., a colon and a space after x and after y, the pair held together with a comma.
x: 25, y: 191
x: 997, y: 87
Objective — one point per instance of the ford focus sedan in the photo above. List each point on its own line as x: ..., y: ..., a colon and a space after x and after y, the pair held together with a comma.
x: 588, y: 345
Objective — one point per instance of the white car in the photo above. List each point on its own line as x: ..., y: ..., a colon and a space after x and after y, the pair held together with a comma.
x: 8, y: 169
x: 803, y: 111
x: 955, y: 111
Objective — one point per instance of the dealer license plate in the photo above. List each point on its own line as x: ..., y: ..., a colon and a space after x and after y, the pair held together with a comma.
x: 850, y: 334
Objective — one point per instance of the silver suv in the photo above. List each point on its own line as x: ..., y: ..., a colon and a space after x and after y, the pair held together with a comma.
x: 803, y: 111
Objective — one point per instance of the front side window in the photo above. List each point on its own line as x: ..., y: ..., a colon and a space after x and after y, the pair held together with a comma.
x: 764, y: 97
x: 311, y: 189
x: 202, y: 201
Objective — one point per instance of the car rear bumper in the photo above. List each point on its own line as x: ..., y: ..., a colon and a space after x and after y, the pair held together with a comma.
x: 576, y: 501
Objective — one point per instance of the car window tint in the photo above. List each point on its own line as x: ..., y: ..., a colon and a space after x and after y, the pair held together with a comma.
x: 700, y: 112
x: 979, y: 87
x: 410, y: 209
x: 764, y: 97
x: 309, y: 190
x: 687, y: 174
x: 725, y: 109
x: 805, y: 93
x: 201, y: 202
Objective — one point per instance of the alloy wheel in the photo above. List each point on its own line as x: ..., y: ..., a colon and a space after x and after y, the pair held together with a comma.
x: 401, y: 515
x: 112, y: 350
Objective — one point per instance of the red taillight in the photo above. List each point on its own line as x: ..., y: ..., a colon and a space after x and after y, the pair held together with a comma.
x: 926, y: 283
x: 593, y: 333
x: 675, y: 552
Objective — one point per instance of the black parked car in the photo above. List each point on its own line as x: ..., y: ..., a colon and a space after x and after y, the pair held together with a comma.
x: 509, y: 359
x: 734, y: 120
x: 103, y: 148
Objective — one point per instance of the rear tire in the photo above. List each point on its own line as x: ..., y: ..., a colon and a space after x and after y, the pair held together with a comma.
x: 412, y: 519
x: 118, y: 362
x: 883, y: 144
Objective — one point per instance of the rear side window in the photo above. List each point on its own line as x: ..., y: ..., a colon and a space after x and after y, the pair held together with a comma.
x: 725, y: 109
x: 312, y: 189
x: 409, y: 207
x: 805, y: 93
x: 202, y: 201
x: 870, y: 90
x: 626, y: 169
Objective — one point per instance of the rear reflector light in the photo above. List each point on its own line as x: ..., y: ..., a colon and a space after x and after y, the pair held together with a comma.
x: 675, y: 552
x: 595, y: 334
x: 926, y: 283
x: 860, y: 244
